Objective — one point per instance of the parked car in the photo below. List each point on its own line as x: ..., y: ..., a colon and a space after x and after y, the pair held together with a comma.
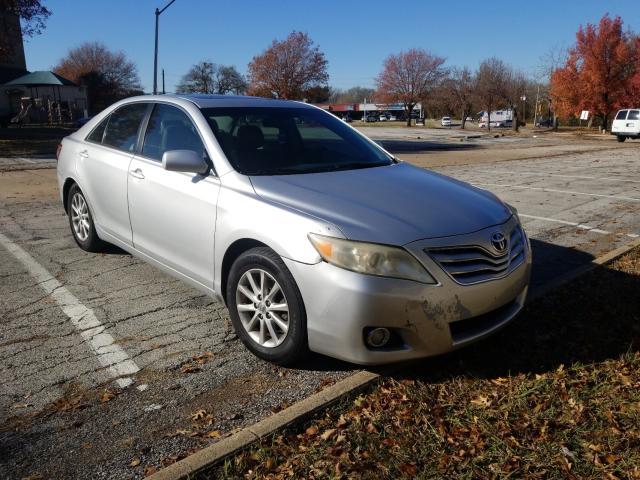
x: 383, y: 117
x: 392, y: 117
x: 445, y: 121
x: 626, y: 124
x: 244, y: 201
x: 372, y: 117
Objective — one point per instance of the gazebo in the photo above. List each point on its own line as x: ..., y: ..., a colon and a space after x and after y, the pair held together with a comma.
x: 46, y: 92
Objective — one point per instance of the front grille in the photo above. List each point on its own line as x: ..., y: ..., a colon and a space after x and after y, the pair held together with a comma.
x: 471, y: 264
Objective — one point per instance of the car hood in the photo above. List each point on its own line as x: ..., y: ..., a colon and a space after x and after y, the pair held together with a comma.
x: 395, y: 204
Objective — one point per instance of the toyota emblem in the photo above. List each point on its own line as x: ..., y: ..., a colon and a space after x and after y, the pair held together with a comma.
x: 499, y: 242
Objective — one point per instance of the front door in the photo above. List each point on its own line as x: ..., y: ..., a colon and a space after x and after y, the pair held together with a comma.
x: 173, y: 214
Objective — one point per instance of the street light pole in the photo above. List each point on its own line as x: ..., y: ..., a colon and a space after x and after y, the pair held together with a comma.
x: 155, y: 53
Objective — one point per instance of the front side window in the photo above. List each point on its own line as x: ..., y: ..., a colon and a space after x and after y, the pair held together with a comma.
x: 622, y: 114
x: 170, y: 129
x: 274, y: 141
x: 634, y: 115
x: 122, y: 128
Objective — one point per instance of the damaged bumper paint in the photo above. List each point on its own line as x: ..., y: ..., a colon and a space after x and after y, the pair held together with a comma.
x: 424, y: 319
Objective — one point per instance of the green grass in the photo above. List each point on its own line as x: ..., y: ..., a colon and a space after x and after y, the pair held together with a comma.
x: 555, y: 395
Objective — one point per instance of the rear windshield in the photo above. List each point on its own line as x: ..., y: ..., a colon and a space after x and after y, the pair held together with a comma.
x: 275, y: 141
x: 622, y: 114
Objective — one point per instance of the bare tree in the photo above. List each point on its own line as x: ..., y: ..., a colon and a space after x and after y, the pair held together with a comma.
x: 491, y: 85
x: 409, y: 77
x: 288, y: 68
x: 229, y: 80
x: 207, y: 77
x: 352, y: 95
x: 459, y: 87
x: 199, y: 79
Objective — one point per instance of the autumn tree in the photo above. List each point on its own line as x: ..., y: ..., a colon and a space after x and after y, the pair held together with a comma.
x: 288, y: 69
x: 599, y: 72
x: 491, y: 85
x: 32, y: 16
x: 409, y: 77
x: 109, y: 76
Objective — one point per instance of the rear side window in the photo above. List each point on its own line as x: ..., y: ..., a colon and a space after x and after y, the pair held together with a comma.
x: 634, y: 115
x: 96, y: 135
x: 622, y: 114
x: 123, y: 126
x: 170, y: 129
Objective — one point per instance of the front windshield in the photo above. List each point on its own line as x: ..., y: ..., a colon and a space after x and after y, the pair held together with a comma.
x: 280, y: 141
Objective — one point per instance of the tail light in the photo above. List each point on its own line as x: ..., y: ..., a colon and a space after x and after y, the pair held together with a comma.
x: 58, y: 151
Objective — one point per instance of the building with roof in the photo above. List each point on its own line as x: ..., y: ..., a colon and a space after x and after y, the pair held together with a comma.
x: 43, y: 97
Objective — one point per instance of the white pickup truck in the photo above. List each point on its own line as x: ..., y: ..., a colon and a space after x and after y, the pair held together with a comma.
x: 626, y: 124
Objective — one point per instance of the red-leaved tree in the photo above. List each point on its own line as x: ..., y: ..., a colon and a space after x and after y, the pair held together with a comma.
x: 600, y: 73
x: 288, y: 69
x: 409, y: 77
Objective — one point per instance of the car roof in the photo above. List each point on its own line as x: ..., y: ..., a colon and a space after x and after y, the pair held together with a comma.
x: 210, y: 101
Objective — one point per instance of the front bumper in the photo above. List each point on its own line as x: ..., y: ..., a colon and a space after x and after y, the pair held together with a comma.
x: 428, y: 319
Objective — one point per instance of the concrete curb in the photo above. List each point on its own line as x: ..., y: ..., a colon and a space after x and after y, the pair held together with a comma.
x: 304, y: 408
x: 236, y: 442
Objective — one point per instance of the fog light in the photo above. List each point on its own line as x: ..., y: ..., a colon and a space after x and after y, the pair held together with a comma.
x: 378, y: 337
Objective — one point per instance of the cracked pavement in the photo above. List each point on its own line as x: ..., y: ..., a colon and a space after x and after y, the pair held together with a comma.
x: 61, y: 416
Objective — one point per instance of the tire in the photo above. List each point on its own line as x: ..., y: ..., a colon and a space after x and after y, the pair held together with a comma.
x: 621, y: 138
x: 255, y: 321
x: 84, y: 232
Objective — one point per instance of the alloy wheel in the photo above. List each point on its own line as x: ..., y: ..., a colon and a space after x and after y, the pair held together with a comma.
x: 262, y: 307
x: 80, y: 217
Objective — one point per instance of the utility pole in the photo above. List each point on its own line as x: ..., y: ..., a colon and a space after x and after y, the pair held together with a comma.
x: 155, y: 53
x: 163, y: 92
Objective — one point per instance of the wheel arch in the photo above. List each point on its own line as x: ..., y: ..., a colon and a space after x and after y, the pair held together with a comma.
x: 68, y: 183
x: 236, y: 249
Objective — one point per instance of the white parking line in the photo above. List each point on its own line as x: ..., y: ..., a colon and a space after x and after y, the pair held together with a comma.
x: 574, y: 224
x: 571, y: 192
x: 580, y: 177
x: 109, y: 353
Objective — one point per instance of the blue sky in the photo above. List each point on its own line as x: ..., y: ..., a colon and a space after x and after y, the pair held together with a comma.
x: 355, y: 35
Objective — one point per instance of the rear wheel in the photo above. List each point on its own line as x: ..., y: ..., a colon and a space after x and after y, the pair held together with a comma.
x: 266, y: 307
x: 81, y: 221
x: 621, y: 138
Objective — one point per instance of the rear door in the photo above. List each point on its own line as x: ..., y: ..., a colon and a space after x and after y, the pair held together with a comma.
x: 619, y: 123
x: 173, y: 214
x: 103, y: 165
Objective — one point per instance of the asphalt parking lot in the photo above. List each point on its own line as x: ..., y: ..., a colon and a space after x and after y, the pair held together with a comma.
x: 161, y: 372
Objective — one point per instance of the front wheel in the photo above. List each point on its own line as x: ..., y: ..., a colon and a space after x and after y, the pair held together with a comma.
x: 621, y: 138
x: 266, y: 307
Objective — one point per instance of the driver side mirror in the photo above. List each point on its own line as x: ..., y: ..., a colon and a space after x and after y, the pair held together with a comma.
x: 184, y: 161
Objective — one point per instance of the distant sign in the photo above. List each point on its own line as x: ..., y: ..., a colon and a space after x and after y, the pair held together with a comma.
x: 584, y: 115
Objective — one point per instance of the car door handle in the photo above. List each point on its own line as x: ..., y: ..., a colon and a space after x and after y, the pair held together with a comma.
x: 137, y: 173
x: 84, y: 154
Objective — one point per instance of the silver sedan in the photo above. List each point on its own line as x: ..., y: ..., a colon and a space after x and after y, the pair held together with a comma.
x: 314, y: 236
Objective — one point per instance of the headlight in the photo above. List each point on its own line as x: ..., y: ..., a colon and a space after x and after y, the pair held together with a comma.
x: 514, y: 210
x: 370, y: 258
